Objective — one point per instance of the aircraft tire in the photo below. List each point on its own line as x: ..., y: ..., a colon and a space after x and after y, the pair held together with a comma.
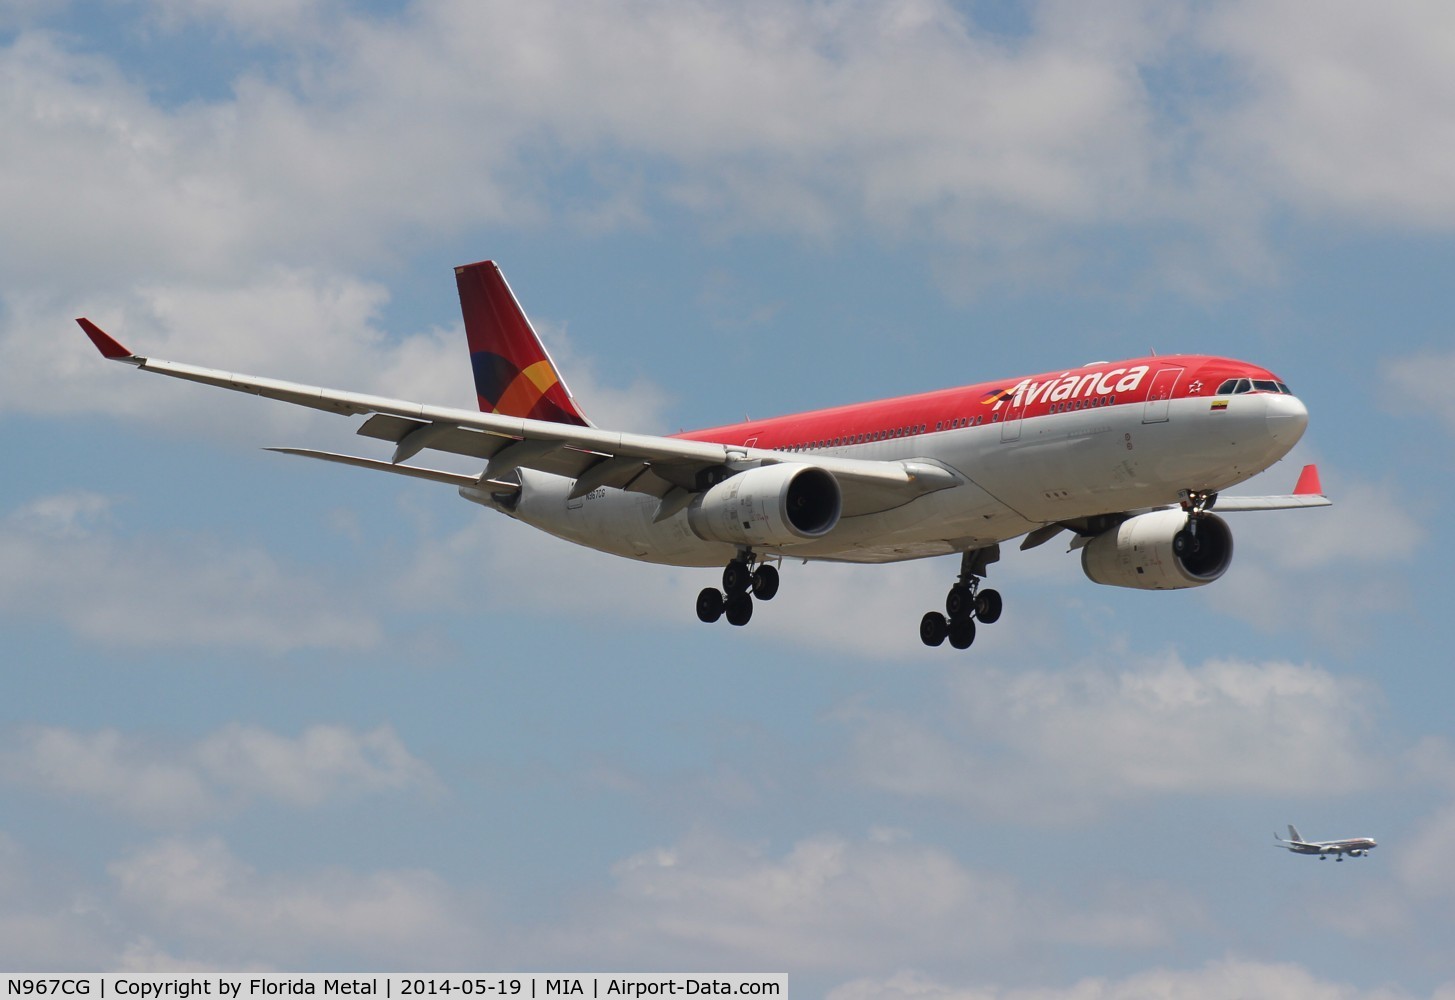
x: 709, y: 605
x: 1184, y: 543
x: 736, y: 578
x: 765, y: 582
x: 739, y: 609
x: 933, y: 628
x: 958, y: 603
x: 988, y: 606
x: 962, y: 632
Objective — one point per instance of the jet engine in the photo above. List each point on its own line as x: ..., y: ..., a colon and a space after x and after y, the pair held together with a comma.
x: 769, y: 505
x: 1158, y: 551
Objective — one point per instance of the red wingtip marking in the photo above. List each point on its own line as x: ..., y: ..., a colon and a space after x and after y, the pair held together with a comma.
x: 1308, y: 482
x: 109, y: 348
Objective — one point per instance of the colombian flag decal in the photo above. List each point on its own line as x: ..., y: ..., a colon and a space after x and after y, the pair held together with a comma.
x: 1219, y: 405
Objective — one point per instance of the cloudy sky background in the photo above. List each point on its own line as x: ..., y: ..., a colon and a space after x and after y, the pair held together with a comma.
x: 266, y: 714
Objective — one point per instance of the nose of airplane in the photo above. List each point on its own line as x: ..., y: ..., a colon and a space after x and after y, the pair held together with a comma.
x: 1287, y: 418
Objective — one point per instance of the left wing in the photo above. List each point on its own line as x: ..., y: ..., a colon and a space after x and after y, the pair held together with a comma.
x: 672, y: 469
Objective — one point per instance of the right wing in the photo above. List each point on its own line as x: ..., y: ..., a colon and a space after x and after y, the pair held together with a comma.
x: 672, y: 469
x: 1307, y: 492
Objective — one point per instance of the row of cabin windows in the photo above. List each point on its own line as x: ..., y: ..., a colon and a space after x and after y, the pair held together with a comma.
x: 1083, y: 404
x: 953, y: 424
x: 871, y: 436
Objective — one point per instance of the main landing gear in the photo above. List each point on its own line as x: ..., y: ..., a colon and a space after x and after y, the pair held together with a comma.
x: 965, y: 604
x: 740, y: 584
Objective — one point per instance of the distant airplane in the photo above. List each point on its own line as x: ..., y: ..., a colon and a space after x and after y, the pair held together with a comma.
x: 1128, y: 456
x: 1356, y: 847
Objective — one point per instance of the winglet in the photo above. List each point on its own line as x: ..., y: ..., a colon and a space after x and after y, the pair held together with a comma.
x: 1308, y: 482
x: 108, y: 347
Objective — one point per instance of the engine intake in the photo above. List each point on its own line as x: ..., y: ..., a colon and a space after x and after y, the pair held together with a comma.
x: 1154, y: 552
x: 769, y: 505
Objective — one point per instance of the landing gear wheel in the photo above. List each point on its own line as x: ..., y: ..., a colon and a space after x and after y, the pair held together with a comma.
x: 739, y: 609
x: 737, y: 578
x: 988, y: 606
x: 933, y: 628
x: 709, y: 605
x: 962, y: 632
x: 959, y: 601
x: 1184, y: 543
x: 765, y: 582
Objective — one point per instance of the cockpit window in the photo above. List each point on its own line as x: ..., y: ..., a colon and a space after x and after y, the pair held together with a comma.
x: 1237, y: 386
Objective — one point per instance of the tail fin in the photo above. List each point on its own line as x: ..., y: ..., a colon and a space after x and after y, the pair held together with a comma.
x: 514, y: 374
x: 1293, y: 833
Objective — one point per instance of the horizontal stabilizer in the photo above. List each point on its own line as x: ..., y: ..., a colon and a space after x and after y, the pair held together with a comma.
x: 435, y: 475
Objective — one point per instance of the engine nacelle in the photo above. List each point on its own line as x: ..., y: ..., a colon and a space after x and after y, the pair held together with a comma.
x: 1145, y: 552
x: 769, y: 505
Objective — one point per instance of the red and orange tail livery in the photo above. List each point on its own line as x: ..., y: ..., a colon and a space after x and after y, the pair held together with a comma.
x: 514, y: 375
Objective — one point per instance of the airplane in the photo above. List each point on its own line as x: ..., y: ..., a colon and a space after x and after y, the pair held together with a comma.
x: 1356, y: 847
x: 1131, y: 457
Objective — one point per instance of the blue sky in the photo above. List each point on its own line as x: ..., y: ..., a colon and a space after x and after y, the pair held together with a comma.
x: 263, y: 713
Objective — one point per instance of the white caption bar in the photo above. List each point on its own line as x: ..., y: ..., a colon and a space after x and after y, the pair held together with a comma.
x: 439, y: 986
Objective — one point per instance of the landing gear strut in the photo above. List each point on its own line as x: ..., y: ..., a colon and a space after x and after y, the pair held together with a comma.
x: 740, y: 584
x: 1195, y: 504
x: 965, y: 604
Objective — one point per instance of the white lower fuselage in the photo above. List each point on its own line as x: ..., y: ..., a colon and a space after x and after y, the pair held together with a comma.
x: 1018, y: 475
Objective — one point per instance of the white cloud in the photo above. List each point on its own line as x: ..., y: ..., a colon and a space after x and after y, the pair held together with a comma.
x: 47, y: 921
x: 763, y: 116
x: 297, y: 325
x: 222, y: 912
x: 834, y: 903
x: 265, y: 19
x: 1219, y: 980
x: 102, y: 767
x: 60, y: 562
x: 1062, y: 747
x: 1421, y: 385
x: 862, y: 611
x: 1348, y: 112
x: 1425, y: 866
x: 325, y: 761
x: 160, y: 787
x: 1290, y: 568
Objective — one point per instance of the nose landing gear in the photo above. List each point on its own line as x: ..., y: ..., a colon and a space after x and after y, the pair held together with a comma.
x: 740, y: 584
x: 1195, y: 503
x: 965, y: 604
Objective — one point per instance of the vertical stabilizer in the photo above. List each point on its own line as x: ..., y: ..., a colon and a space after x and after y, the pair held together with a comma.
x: 514, y: 374
x: 1293, y: 833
